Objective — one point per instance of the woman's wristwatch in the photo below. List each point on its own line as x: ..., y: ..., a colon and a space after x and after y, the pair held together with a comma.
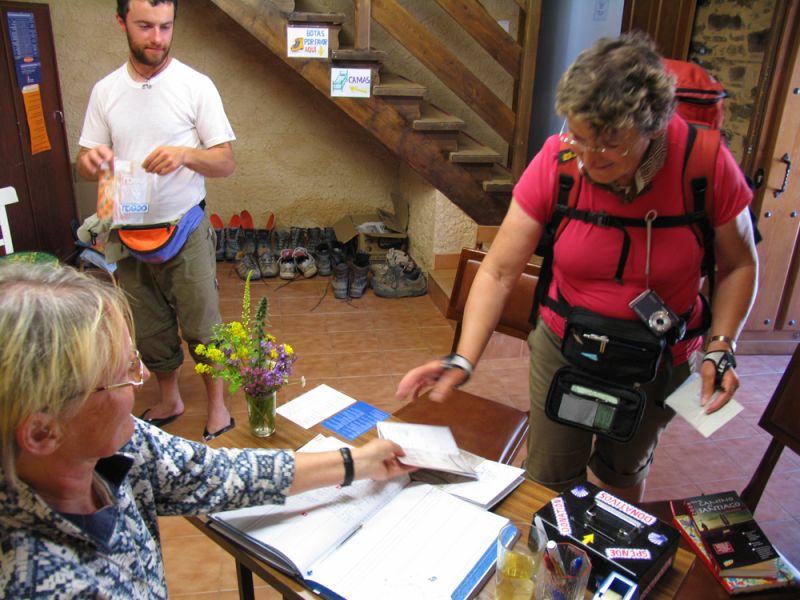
x: 456, y: 361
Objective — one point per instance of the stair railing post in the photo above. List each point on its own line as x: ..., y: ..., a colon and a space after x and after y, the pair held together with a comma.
x: 363, y: 22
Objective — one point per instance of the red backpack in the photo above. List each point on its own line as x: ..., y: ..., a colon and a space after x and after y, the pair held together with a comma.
x: 699, y: 95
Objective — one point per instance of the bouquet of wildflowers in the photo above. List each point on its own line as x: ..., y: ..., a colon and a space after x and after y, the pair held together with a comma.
x: 245, y: 355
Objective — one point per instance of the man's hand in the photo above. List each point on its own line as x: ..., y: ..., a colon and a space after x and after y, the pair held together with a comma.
x: 89, y: 161
x: 165, y: 159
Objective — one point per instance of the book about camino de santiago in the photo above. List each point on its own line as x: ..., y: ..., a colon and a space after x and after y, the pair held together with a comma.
x: 735, y: 542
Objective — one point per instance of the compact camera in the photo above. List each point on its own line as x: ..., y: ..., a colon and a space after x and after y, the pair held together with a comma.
x: 655, y: 314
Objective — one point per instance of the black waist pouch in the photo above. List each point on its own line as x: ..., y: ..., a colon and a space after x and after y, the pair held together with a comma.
x: 613, y: 349
x: 579, y: 399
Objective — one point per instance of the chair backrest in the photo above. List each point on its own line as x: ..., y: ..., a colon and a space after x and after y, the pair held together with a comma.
x: 8, y: 195
x: 514, y: 319
x: 781, y: 419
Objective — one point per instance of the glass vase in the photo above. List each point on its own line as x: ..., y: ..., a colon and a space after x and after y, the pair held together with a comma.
x: 261, y: 413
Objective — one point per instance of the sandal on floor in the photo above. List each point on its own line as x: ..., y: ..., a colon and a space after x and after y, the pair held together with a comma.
x: 207, y: 437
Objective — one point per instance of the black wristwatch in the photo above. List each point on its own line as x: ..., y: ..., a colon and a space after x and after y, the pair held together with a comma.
x: 456, y: 361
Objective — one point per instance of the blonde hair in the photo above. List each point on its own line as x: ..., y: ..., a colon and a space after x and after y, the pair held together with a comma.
x: 62, y: 335
x: 618, y: 83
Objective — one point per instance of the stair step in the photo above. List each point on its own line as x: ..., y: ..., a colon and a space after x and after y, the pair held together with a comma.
x: 435, y: 119
x: 500, y: 182
x: 356, y: 55
x: 472, y: 152
x: 313, y: 17
x: 395, y: 85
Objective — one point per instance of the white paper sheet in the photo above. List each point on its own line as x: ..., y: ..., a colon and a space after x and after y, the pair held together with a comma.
x: 315, y: 406
x: 427, y: 446
x: 686, y: 402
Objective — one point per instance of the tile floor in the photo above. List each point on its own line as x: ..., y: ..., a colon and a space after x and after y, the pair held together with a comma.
x: 363, y: 347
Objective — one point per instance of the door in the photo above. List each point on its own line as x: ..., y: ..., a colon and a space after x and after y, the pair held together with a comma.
x: 43, y: 180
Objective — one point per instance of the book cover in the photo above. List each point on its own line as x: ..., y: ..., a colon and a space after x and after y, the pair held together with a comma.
x: 735, y: 542
x: 732, y: 585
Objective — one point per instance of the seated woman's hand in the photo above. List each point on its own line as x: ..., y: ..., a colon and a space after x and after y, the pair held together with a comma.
x: 378, y: 460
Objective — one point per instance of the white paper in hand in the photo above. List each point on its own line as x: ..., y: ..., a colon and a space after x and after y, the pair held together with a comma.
x: 686, y: 402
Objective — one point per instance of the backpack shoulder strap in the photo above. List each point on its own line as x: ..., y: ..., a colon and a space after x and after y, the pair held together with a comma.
x: 699, y: 162
x: 567, y: 189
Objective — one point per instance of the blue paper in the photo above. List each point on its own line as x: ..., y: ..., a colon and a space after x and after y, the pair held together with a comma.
x: 355, y: 420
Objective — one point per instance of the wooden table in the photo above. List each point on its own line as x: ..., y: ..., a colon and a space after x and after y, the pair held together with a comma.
x: 519, y: 505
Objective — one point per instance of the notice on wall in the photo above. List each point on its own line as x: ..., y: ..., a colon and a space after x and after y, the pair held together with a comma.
x: 32, y: 98
x: 25, y: 46
x: 307, y: 42
x: 351, y: 83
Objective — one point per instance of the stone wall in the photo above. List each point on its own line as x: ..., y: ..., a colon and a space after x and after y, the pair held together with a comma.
x: 729, y: 40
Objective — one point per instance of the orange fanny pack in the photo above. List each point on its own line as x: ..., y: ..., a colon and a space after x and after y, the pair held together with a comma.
x: 159, y: 242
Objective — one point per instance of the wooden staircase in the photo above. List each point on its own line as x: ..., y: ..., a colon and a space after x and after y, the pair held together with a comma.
x: 433, y: 142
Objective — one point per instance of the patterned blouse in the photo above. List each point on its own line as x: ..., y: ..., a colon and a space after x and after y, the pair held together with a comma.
x: 45, y: 554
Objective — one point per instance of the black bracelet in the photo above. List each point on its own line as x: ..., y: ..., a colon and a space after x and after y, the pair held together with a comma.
x: 347, y: 458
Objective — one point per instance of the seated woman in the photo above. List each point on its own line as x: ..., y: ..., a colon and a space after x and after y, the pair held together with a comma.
x: 81, y: 480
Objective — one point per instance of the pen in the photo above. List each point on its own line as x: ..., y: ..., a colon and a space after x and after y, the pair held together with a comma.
x: 575, y: 565
x: 542, y: 534
x: 555, y: 557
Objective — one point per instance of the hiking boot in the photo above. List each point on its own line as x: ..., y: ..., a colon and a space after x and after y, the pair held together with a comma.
x: 281, y: 239
x: 304, y: 262
x: 286, y: 265
x: 394, y: 258
x: 297, y: 237
x: 267, y: 264
x: 338, y: 255
x: 359, y: 275
x: 245, y: 263
x: 339, y: 280
x: 248, y: 241
x: 397, y: 282
x: 231, y: 235
x: 313, y: 237
x: 323, y: 252
x: 219, y: 231
x: 263, y: 241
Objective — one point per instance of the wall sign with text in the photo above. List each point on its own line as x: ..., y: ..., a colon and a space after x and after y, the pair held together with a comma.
x: 351, y: 83
x: 307, y: 42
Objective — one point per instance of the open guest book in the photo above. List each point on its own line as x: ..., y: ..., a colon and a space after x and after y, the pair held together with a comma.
x: 408, y: 540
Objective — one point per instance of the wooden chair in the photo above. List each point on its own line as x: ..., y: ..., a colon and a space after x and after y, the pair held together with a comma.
x: 781, y: 419
x: 481, y: 426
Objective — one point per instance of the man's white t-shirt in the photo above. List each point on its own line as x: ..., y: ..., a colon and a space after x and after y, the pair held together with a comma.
x: 182, y: 107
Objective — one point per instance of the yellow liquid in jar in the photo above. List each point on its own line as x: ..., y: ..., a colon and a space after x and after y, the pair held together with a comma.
x: 515, y: 577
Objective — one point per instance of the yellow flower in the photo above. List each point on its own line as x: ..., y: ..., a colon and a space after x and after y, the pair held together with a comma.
x: 289, y: 349
x: 203, y: 369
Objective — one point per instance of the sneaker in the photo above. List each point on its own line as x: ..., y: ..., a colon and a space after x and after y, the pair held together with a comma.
x: 267, y: 264
x: 219, y: 230
x: 323, y: 252
x: 339, y: 280
x: 304, y: 262
x: 245, y: 263
x: 232, y: 237
x: 313, y: 237
x: 359, y: 275
x: 329, y: 235
x: 398, y: 282
x: 286, y: 265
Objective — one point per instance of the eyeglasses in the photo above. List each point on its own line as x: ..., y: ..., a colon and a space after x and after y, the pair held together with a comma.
x: 566, y: 137
x: 135, y: 373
